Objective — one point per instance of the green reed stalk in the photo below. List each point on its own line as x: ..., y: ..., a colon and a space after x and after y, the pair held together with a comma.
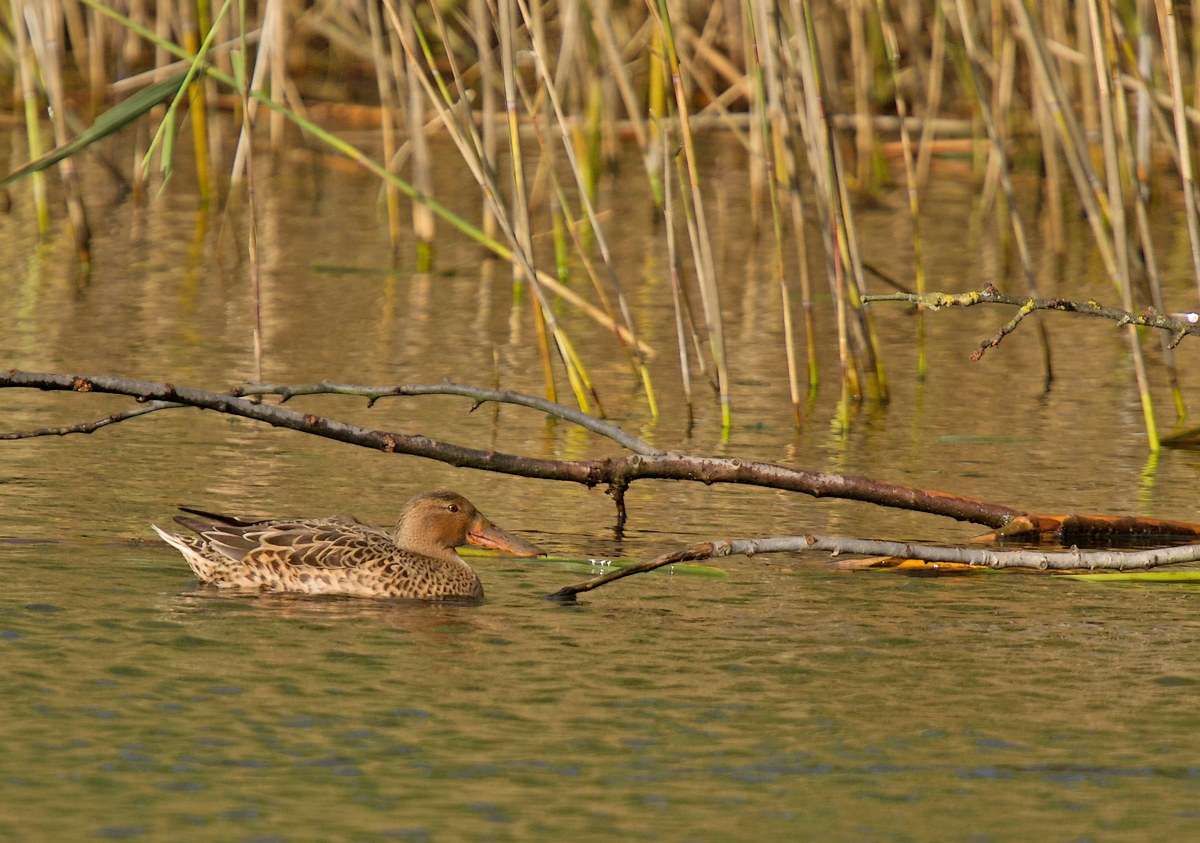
x: 593, y: 129
x: 462, y: 131
x: 855, y: 286
x: 1101, y: 212
x: 1140, y: 154
x: 197, y: 100
x: 791, y: 143
x: 656, y: 99
x: 45, y: 27
x: 29, y: 96
x: 677, y: 294
x: 585, y: 199
x: 861, y: 364
x: 816, y: 135
x: 519, y: 213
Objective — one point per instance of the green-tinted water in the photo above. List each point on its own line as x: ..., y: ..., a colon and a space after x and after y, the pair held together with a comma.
x: 769, y: 705
x: 784, y: 701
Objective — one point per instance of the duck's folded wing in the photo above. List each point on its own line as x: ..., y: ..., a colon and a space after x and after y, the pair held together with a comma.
x: 320, y: 546
x: 322, y: 543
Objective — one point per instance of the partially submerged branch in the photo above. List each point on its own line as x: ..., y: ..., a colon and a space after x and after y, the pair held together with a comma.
x: 616, y: 473
x: 1187, y: 323
x: 1068, y: 560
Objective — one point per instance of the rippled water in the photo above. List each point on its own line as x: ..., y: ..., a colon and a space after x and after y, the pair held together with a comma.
x: 771, y: 704
x: 783, y: 701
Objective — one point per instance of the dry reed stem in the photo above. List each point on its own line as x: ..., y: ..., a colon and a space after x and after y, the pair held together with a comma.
x: 424, y: 224
x: 891, y: 47
x: 933, y: 95
x: 1170, y: 38
x: 255, y: 266
x: 481, y: 26
x: 388, y: 106
x: 1000, y: 158
x: 772, y: 127
x: 698, y: 225
x: 677, y: 294
x: 585, y: 191
x: 466, y: 138
x: 1084, y: 66
x: 26, y: 64
x: 1116, y: 203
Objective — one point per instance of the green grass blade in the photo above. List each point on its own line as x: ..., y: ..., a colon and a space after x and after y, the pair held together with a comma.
x: 1140, y: 576
x: 116, y: 118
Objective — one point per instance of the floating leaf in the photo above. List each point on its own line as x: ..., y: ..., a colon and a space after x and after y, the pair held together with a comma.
x: 918, y: 567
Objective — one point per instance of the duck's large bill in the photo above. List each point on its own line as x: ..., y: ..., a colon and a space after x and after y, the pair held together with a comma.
x: 493, y: 538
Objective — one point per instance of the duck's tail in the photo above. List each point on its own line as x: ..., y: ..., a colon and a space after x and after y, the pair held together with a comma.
x: 203, y: 566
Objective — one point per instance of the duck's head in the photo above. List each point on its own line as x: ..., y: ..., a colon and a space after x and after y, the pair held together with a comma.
x: 435, y: 523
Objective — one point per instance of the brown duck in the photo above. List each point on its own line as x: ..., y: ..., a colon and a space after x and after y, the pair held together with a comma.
x: 341, y: 555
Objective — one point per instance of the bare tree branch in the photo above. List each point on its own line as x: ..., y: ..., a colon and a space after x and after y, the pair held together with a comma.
x: 1069, y: 560
x: 92, y: 426
x: 1185, y: 324
x: 374, y: 393
x: 615, y: 472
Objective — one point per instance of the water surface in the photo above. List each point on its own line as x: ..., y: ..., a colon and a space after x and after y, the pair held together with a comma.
x: 783, y: 701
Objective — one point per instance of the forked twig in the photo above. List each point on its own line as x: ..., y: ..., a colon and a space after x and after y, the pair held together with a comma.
x: 374, y: 393
x: 1180, y: 325
x: 92, y: 426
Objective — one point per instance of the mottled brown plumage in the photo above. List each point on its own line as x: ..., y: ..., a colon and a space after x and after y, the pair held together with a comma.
x: 341, y: 555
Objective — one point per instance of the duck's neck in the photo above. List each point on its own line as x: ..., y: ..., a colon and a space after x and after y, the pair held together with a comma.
x: 425, y: 547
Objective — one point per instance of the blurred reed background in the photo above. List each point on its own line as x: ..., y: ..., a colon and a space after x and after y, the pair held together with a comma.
x: 832, y: 101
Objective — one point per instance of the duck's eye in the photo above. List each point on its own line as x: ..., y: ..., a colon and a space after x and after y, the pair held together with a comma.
x: 452, y: 507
